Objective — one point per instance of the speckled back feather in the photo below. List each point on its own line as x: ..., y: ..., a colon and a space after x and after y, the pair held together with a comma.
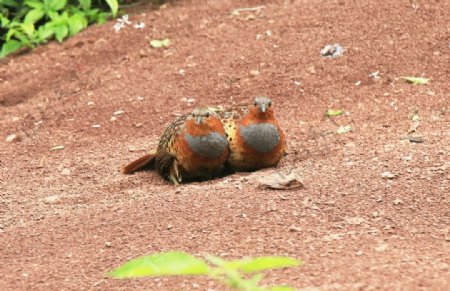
x: 167, y: 150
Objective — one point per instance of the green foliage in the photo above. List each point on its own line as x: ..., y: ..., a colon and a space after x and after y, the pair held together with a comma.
x: 156, y: 43
x: 232, y: 273
x: 31, y: 22
x: 416, y: 80
x: 170, y: 263
x: 334, y: 112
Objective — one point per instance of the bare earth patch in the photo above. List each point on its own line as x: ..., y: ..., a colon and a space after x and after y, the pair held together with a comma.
x: 374, y: 212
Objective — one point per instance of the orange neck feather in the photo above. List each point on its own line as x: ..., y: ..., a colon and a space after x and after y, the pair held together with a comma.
x: 255, y: 116
x: 209, y: 125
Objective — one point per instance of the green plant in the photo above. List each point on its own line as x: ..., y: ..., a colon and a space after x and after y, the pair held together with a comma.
x: 31, y: 22
x: 232, y: 273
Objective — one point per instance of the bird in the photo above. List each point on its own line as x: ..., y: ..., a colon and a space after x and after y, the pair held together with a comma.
x: 192, y: 147
x: 254, y: 136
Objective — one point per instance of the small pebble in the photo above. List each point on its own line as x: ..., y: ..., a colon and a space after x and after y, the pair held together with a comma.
x: 12, y: 137
x: 119, y: 112
x: 332, y: 51
x: 381, y: 247
x: 51, y: 199
x: 294, y: 228
x: 387, y: 175
x: 254, y: 73
x: 65, y: 172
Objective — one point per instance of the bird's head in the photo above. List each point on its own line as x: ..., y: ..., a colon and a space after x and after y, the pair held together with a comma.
x: 203, y: 121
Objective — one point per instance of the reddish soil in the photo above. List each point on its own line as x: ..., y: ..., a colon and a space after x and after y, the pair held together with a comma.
x: 68, y: 216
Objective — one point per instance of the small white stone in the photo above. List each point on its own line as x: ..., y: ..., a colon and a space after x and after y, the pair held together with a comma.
x: 381, y: 247
x: 119, y: 112
x: 12, y: 137
x: 51, y: 199
x: 65, y: 172
x: 387, y: 175
x: 96, y: 126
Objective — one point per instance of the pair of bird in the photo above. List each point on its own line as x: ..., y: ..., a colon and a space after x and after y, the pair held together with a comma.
x: 208, y: 142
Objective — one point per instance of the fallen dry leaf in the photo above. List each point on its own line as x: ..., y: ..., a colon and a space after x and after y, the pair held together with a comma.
x: 280, y: 181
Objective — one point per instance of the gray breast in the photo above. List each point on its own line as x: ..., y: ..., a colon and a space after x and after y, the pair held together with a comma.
x: 209, y: 146
x: 262, y: 137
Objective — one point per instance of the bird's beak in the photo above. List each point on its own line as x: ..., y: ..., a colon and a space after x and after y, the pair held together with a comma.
x: 198, y: 119
x: 263, y: 108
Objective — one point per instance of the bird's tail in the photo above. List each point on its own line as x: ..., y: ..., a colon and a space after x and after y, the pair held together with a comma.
x: 144, y: 162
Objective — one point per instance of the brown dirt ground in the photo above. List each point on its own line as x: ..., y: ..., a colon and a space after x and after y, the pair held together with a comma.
x: 60, y: 210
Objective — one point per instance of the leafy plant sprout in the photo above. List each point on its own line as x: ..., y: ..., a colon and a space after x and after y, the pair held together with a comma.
x: 244, y: 274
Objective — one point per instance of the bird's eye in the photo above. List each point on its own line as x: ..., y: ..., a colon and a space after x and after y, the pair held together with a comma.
x: 256, y: 104
x: 207, y: 114
x: 270, y: 103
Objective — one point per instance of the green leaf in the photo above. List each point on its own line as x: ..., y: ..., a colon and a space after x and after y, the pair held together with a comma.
x: 416, y: 80
x: 279, y: 288
x: 11, y: 3
x: 85, y: 4
x: 344, y: 129
x: 28, y: 28
x: 4, y: 21
x: 114, y: 6
x: 156, y: 43
x: 33, y: 16
x: 255, y: 279
x: 76, y: 23
x: 45, y: 32
x: 36, y: 4
x: 54, y: 4
x: 54, y: 15
x: 250, y: 265
x: 169, y: 263
x: 101, y: 17
x: 215, y: 260
x: 61, y: 31
x: 10, y: 33
x: 9, y: 47
x: 334, y: 112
